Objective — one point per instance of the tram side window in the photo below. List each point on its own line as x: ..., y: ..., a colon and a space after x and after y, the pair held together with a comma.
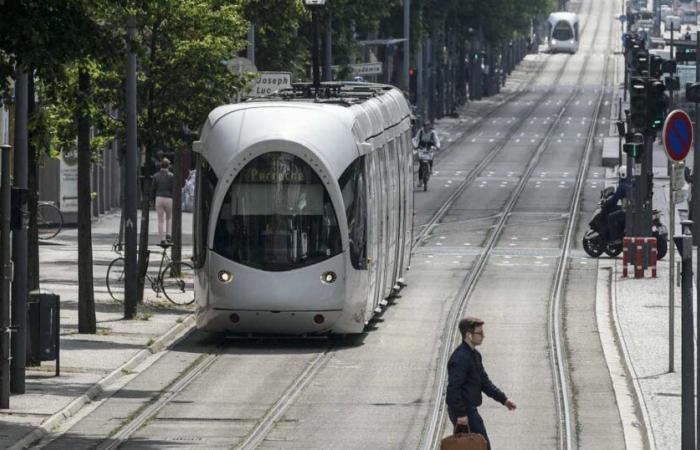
x: 206, y: 181
x: 277, y: 215
x: 352, y: 185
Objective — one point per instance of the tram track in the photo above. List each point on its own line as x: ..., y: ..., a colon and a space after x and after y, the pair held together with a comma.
x: 318, y: 360
x: 433, y: 431
x: 491, y: 153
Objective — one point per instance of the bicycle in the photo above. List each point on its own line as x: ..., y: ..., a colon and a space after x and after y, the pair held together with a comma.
x: 49, y: 220
x: 175, y: 279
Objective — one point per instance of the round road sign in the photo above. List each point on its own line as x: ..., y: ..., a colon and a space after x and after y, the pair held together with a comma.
x: 677, y: 135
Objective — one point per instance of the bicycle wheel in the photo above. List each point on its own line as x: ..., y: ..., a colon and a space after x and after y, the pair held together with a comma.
x: 116, y: 277
x: 49, y: 220
x: 177, y: 282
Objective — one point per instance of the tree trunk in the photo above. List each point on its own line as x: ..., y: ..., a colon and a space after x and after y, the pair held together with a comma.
x: 86, y: 296
x: 32, y: 204
x: 32, y: 196
x: 176, y: 251
x: 148, y: 167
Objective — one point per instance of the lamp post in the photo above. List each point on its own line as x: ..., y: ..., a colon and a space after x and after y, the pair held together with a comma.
x: 314, y: 6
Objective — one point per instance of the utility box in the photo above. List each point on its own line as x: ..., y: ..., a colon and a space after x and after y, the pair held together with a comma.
x: 43, y: 326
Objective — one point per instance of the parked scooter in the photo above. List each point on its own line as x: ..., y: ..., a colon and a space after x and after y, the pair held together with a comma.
x: 595, y: 241
x: 425, y: 159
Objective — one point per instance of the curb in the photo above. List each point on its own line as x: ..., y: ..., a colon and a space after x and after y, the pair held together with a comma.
x: 628, y: 394
x: 171, y: 337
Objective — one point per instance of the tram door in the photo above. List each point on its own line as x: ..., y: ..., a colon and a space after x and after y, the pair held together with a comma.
x: 401, y: 208
x: 380, y: 167
x: 408, y: 190
x: 372, y: 231
x: 393, y: 230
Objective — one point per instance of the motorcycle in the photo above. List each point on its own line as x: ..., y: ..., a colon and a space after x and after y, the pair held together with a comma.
x: 425, y: 157
x: 595, y: 241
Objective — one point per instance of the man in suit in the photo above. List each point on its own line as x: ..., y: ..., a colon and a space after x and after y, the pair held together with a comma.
x: 467, y: 379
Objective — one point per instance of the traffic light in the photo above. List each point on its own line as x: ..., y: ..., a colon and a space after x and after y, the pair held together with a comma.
x: 634, y: 145
x: 638, y: 103
x: 656, y: 105
x: 640, y: 62
x: 655, y: 66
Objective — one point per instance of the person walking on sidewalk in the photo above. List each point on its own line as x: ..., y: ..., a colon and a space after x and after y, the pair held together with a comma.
x: 467, y: 379
x: 163, y: 185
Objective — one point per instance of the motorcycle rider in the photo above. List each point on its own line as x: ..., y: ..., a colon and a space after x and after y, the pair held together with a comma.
x: 427, y: 138
x: 615, y: 215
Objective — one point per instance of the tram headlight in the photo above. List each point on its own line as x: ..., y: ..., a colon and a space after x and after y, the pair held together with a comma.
x: 225, y: 276
x: 329, y: 277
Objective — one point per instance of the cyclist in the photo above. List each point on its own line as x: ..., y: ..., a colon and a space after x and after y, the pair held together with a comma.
x: 427, y: 138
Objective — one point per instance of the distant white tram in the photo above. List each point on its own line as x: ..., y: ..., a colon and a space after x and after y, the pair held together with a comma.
x: 563, y: 32
x: 304, y: 210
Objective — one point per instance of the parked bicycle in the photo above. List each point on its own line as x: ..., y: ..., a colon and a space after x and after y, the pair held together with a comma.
x: 49, y: 220
x: 175, y: 279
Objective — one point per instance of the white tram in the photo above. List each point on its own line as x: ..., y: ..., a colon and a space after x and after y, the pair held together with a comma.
x: 304, y: 210
x: 563, y: 32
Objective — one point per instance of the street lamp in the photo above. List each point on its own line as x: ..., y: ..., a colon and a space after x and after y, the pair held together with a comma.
x: 314, y: 6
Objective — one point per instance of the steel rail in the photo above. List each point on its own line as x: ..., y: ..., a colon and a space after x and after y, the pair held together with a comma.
x: 432, y: 432
x: 276, y: 411
x: 556, y: 343
x: 193, y: 372
x: 492, y: 152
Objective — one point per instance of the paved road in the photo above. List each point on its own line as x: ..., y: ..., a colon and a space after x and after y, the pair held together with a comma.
x: 378, y: 391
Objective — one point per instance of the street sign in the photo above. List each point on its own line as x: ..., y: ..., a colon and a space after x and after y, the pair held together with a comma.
x: 269, y: 82
x: 373, y: 68
x: 677, y: 135
x: 677, y: 176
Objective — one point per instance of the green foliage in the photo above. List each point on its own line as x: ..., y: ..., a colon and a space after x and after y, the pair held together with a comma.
x: 280, y: 43
x: 184, y: 44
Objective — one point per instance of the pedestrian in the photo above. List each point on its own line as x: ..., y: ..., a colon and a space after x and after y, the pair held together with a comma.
x: 467, y: 379
x: 163, y: 185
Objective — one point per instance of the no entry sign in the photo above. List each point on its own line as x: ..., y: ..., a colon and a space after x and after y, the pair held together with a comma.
x: 678, y: 135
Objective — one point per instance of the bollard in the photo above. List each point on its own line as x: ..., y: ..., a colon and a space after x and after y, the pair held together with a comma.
x: 684, y: 243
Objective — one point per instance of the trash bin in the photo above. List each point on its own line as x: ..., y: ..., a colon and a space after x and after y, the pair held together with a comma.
x: 43, y: 326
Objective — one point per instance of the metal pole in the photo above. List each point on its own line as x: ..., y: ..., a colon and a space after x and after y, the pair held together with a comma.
x: 328, y: 50
x: 406, y: 44
x: 685, y: 248
x: 672, y: 273
x: 420, y: 68
x: 19, y: 241
x: 250, y: 52
x: 6, y: 275
x: 315, y: 52
x: 696, y: 159
x: 130, y: 180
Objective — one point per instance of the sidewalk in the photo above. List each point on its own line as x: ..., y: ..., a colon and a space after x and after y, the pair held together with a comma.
x: 638, y: 312
x: 90, y: 364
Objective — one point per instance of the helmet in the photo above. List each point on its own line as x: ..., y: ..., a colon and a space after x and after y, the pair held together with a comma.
x: 622, y: 172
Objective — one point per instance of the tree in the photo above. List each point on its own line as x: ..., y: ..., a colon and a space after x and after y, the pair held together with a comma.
x: 42, y: 38
x: 183, y: 44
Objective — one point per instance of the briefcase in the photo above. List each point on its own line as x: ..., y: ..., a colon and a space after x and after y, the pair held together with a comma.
x: 463, y: 439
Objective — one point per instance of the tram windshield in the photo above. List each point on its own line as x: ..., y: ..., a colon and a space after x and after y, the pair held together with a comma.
x: 562, y: 31
x: 277, y: 215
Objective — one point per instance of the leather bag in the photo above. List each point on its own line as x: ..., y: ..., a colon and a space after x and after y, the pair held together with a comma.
x: 464, y: 439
